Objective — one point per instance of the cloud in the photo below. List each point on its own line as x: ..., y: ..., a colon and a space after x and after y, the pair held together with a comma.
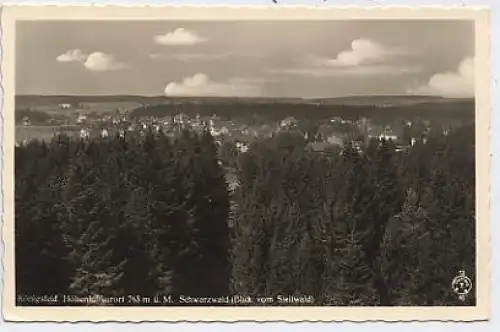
x: 97, y: 61
x: 199, y: 57
x: 75, y: 55
x: 362, y: 51
x: 200, y: 85
x: 365, y: 57
x: 189, y: 57
x: 454, y: 84
x: 179, y: 36
x: 392, y: 70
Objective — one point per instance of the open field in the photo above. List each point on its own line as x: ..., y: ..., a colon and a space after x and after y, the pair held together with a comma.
x: 94, y: 107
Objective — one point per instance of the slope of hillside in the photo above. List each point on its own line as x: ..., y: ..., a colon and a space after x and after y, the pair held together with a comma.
x: 36, y: 101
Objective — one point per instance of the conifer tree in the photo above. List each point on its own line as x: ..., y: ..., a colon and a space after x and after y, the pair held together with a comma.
x: 40, y: 253
x: 86, y: 228
x: 386, y: 203
x: 253, y: 227
x: 435, y: 229
x: 349, y: 274
x: 211, y: 203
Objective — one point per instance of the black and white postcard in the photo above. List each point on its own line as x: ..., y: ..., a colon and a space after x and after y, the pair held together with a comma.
x: 245, y: 164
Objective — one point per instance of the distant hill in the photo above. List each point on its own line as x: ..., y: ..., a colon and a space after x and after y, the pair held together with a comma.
x: 272, y: 110
x: 387, y: 100
x: 37, y: 100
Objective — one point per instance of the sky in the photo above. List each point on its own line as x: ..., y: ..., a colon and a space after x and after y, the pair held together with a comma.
x: 307, y: 59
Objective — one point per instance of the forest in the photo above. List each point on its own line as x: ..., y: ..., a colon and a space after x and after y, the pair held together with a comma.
x: 154, y: 215
x: 450, y: 110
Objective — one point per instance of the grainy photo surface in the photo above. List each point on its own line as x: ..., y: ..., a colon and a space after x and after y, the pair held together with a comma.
x: 244, y: 163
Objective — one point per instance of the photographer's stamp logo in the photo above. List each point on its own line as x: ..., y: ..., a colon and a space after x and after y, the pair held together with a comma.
x: 461, y: 285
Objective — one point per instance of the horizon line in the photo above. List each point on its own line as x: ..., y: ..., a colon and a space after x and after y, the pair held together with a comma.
x: 237, y: 97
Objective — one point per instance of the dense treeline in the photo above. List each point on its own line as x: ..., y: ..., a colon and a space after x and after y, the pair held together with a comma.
x: 153, y: 215
x: 121, y: 216
x: 452, y: 111
x: 374, y: 228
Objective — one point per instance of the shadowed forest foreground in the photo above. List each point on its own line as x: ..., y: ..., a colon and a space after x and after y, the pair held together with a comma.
x: 154, y: 215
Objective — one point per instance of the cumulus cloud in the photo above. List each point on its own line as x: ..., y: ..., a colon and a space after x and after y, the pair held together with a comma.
x: 454, y: 84
x: 179, y: 36
x: 75, y: 55
x: 365, y: 57
x: 362, y: 51
x: 97, y: 61
x: 200, y: 85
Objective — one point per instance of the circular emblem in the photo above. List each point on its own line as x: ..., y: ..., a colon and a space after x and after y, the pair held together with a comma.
x: 461, y: 284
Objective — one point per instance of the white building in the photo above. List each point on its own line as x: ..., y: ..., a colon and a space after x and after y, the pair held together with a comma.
x: 81, y: 118
x: 213, y: 130
x: 242, y: 147
x: 180, y: 118
x: 388, y: 137
x: 84, y: 133
x: 104, y: 133
x: 288, y: 122
x: 65, y: 105
x: 26, y: 121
